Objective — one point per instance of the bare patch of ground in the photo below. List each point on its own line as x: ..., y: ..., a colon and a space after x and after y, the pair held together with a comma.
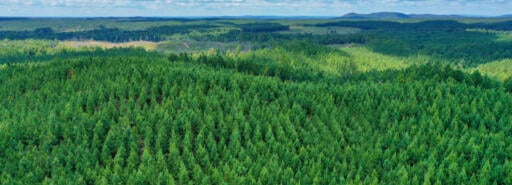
x: 92, y: 43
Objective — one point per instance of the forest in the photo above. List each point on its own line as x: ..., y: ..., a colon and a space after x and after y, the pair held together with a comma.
x: 255, y: 101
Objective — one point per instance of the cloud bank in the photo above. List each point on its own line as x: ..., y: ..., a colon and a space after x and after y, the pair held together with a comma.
x: 247, y: 7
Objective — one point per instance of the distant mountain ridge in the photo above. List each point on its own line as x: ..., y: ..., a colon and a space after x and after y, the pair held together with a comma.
x: 396, y: 15
x: 354, y: 15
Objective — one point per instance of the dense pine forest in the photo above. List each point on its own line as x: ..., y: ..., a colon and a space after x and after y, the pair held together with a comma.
x: 252, y: 101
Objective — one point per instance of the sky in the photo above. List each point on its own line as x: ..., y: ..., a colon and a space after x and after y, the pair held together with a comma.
x: 179, y: 8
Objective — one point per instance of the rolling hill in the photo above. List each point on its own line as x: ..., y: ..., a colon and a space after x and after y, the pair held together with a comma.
x: 396, y: 15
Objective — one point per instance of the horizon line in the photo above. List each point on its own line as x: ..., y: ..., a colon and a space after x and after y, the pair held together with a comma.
x: 256, y: 16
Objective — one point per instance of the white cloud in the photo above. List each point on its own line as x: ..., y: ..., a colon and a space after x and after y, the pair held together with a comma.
x: 254, y: 7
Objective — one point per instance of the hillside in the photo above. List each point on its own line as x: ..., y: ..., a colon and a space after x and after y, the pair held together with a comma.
x: 256, y: 102
x: 143, y: 118
x: 397, y: 15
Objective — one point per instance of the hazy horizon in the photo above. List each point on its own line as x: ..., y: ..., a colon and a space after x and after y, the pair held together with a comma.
x: 216, y: 8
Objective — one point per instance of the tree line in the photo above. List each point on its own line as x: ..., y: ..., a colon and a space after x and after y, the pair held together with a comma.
x: 156, y: 34
x: 445, y: 25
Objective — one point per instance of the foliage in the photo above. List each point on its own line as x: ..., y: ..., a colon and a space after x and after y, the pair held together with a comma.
x: 508, y: 84
x: 289, y: 111
x: 429, y: 25
x: 104, y: 34
x: 142, y: 119
x: 446, y: 41
x: 40, y: 50
x: 263, y: 27
x: 499, y: 69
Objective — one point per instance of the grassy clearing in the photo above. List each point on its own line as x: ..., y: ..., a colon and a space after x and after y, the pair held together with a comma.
x: 500, y: 70
x: 367, y: 60
x: 333, y: 63
x: 505, y: 36
x: 347, y: 60
x: 191, y: 46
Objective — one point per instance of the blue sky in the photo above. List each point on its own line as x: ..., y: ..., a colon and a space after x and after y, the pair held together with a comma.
x: 247, y: 7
